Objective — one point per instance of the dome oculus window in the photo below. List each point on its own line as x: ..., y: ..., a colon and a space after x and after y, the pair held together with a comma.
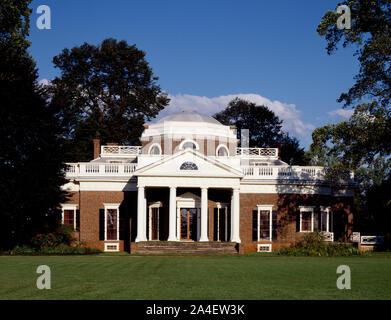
x: 189, y: 145
x: 188, y: 166
x: 222, y: 151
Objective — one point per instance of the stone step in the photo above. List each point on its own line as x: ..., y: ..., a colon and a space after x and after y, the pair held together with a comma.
x: 178, y: 247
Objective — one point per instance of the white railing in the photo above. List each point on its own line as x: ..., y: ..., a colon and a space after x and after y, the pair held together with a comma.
x: 327, y: 236
x: 372, y: 240
x: 355, y: 237
x: 258, y: 153
x: 120, y: 150
x: 94, y: 169
x: 275, y: 172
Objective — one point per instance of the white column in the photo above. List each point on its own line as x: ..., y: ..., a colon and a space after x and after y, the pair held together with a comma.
x: 204, y: 215
x: 235, y: 216
x: 172, y: 216
x: 141, y: 215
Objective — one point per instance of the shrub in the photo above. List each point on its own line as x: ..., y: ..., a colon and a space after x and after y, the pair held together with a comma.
x: 313, y: 245
x: 61, y: 249
x: 62, y: 235
x: 23, y: 250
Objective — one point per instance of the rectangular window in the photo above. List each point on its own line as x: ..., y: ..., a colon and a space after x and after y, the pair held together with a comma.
x: 69, y: 215
x: 263, y: 223
x: 111, y: 222
x: 325, y: 218
x: 306, y: 219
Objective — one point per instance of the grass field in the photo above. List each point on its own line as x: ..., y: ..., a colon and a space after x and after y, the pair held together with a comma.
x: 206, y: 277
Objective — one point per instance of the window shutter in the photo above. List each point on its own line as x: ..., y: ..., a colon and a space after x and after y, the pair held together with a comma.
x: 298, y: 221
x: 331, y: 221
x: 78, y: 220
x: 255, y: 225
x: 101, y: 224
x: 316, y: 219
x: 274, y: 225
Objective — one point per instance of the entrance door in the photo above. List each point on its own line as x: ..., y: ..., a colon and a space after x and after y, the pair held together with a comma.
x: 221, y: 224
x: 154, y: 223
x: 189, y: 224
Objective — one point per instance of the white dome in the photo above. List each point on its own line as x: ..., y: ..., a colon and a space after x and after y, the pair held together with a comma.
x: 189, y: 116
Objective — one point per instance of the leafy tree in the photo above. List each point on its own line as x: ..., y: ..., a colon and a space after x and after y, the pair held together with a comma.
x: 105, y: 91
x: 30, y: 159
x: 362, y: 143
x: 264, y: 129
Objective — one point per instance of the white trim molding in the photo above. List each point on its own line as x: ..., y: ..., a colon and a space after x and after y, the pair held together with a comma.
x: 265, y: 207
x: 222, y: 146
x: 188, y: 140
x: 116, y: 207
x: 155, y: 145
x: 307, y: 209
x: 69, y: 206
x: 111, y: 247
x: 264, y: 247
x: 328, y: 213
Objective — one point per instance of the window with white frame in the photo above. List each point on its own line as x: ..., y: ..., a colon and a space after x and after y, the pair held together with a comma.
x: 188, y: 144
x: 222, y: 151
x: 264, y: 223
x: 325, y: 217
x: 306, y: 219
x: 155, y: 150
x: 69, y: 215
x: 111, y: 221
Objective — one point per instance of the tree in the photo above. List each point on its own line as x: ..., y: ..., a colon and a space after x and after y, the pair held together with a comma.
x: 30, y: 161
x: 264, y: 129
x: 106, y: 91
x: 362, y: 143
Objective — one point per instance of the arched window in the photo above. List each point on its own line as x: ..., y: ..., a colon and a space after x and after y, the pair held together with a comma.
x: 155, y: 150
x: 222, y: 151
x: 189, y: 145
x: 188, y: 166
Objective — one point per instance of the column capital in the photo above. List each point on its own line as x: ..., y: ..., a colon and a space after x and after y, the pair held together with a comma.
x: 139, y: 186
x: 204, y: 188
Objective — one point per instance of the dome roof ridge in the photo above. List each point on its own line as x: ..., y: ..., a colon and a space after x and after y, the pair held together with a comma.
x: 189, y: 116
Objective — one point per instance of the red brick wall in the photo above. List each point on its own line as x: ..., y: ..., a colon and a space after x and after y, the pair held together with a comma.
x: 287, y: 207
x: 91, y: 207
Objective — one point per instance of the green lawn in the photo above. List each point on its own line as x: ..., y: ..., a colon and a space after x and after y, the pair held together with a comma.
x: 207, y: 277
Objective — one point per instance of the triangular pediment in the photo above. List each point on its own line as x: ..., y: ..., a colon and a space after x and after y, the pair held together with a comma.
x: 188, y: 196
x: 188, y: 163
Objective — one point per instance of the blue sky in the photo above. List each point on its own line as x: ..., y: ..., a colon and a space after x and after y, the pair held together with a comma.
x: 206, y: 52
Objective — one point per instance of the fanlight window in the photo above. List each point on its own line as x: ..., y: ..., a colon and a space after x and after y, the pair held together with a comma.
x: 154, y: 150
x: 222, y: 152
x: 189, y: 145
x: 188, y: 166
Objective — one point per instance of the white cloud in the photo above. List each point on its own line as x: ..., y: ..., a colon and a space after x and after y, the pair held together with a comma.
x: 44, y: 82
x: 341, y: 113
x: 292, y: 122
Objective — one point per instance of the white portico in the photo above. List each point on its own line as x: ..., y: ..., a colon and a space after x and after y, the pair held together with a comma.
x: 188, y: 169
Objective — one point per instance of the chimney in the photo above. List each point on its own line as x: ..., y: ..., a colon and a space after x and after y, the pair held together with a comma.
x: 96, y: 148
